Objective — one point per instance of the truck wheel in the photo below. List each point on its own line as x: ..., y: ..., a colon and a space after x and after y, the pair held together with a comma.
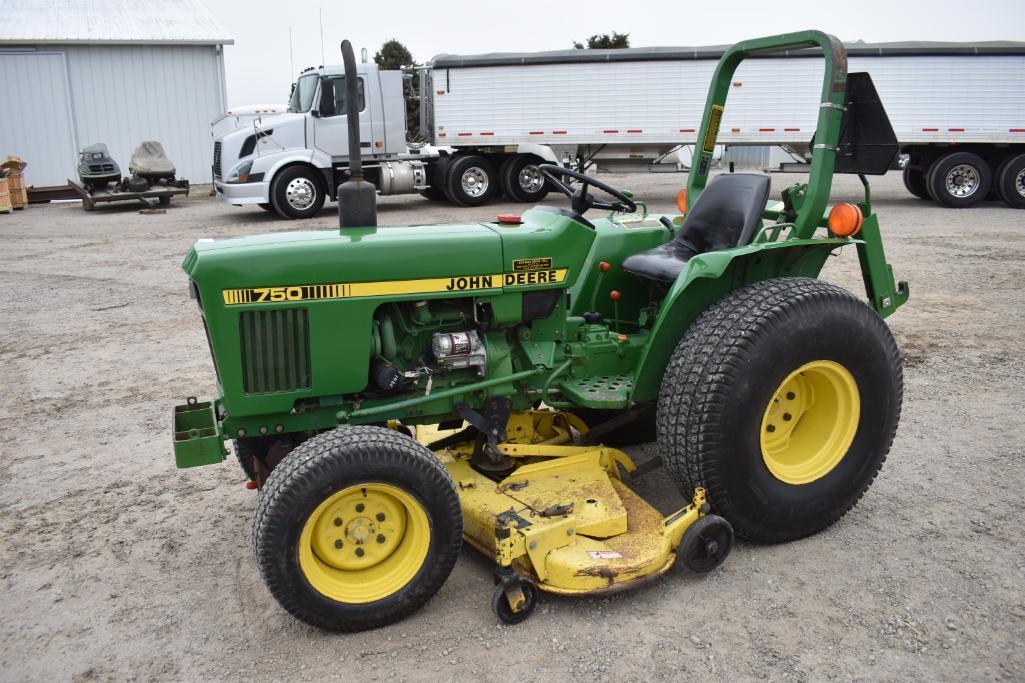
x: 522, y: 181
x: 782, y: 401
x: 470, y: 181
x: 357, y: 528
x: 297, y: 192
x: 435, y: 194
x: 959, y: 180
x: 1010, y: 181
x: 914, y: 181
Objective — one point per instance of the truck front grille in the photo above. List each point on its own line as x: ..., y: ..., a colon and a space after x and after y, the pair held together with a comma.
x: 275, y: 350
x: 217, y: 160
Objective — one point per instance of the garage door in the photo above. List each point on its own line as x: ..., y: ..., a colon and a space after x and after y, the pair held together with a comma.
x: 37, y: 124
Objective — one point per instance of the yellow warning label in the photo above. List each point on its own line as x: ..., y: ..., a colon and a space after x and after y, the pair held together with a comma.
x: 463, y: 283
x: 532, y: 263
x: 714, y: 119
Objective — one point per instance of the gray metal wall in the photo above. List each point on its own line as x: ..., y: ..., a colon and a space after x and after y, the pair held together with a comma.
x: 117, y: 94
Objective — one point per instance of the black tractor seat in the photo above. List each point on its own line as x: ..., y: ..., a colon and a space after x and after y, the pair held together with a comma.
x: 725, y: 215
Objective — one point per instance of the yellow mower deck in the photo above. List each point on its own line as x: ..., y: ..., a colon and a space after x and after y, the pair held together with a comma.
x: 563, y: 519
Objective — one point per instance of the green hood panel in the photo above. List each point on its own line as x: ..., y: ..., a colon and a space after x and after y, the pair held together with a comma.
x: 328, y: 256
x: 306, y: 299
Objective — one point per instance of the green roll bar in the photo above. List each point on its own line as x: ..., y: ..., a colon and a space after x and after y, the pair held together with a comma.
x: 827, y: 136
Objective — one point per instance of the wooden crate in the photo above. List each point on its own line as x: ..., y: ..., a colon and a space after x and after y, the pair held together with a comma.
x: 5, y: 197
x: 17, y: 190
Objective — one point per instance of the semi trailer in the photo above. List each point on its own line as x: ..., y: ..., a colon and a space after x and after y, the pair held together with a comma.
x: 958, y: 110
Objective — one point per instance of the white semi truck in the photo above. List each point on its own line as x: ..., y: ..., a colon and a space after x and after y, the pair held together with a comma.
x: 958, y: 111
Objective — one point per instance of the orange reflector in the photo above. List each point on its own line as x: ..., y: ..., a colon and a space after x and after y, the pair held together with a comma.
x: 252, y: 485
x: 509, y: 218
x: 681, y: 200
x: 604, y: 266
x: 614, y: 295
x: 845, y: 220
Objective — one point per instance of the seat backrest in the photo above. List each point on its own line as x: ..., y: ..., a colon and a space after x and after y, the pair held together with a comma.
x: 727, y: 212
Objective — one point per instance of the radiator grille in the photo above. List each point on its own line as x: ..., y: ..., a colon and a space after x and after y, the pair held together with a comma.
x: 217, y: 160
x: 275, y: 350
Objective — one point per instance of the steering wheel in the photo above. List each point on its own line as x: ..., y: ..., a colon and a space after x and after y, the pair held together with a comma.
x: 581, y: 200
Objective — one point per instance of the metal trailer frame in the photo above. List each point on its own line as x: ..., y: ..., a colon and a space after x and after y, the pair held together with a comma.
x: 91, y: 199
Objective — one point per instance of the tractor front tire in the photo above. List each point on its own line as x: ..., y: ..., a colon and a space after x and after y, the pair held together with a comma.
x: 782, y: 401
x: 357, y: 528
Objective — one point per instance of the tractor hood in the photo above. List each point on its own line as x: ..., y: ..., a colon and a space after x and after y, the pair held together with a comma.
x: 351, y: 255
x: 547, y: 241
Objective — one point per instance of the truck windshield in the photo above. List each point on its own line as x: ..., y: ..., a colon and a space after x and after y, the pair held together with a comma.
x: 302, y: 94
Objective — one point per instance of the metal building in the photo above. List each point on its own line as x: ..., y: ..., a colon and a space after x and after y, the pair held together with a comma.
x: 114, y: 71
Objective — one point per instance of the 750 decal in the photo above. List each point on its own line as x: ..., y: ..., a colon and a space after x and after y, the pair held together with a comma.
x: 464, y: 283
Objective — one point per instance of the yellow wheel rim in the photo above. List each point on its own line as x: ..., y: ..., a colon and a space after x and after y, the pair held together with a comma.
x: 810, y: 422
x: 364, y: 543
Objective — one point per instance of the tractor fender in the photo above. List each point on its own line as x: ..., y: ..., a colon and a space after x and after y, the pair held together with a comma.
x: 710, y: 277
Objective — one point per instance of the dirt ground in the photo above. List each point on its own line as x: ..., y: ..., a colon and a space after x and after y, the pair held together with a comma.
x: 116, y: 565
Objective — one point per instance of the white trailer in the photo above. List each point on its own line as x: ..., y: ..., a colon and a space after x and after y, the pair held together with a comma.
x: 958, y: 111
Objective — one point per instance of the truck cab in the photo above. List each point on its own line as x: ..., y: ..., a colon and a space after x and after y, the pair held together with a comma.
x: 291, y: 162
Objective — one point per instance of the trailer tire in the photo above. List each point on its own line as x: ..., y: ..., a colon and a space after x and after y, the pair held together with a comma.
x: 749, y: 373
x: 357, y: 528
x: 297, y: 192
x: 470, y: 180
x: 914, y: 181
x: 521, y: 181
x: 959, y: 180
x: 1010, y: 181
x: 266, y: 206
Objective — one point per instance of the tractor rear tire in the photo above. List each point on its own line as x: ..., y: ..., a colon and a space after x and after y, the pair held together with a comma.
x: 914, y: 181
x: 1010, y: 182
x: 959, y: 180
x: 782, y: 401
x: 357, y: 528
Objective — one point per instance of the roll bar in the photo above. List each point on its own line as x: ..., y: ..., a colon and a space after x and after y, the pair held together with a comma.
x: 827, y: 136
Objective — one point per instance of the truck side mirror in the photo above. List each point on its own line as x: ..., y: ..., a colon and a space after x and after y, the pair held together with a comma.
x: 327, y: 98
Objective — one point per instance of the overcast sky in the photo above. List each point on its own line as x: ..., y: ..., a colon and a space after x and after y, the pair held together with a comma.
x: 259, y: 69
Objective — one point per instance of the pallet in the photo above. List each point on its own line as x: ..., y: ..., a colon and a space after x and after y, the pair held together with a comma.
x: 159, y: 193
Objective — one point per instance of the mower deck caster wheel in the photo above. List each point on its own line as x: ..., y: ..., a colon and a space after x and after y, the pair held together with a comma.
x: 510, y: 591
x: 706, y: 544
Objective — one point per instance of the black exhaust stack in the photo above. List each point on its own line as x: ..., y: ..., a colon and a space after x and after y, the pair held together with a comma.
x: 357, y: 198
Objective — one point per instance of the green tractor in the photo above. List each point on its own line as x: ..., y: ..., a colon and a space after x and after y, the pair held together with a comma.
x: 394, y: 392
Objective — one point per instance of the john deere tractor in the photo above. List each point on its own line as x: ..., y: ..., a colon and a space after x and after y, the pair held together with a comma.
x: 394, y: 392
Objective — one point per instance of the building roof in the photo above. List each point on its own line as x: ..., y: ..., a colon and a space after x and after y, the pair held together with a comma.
x: 166, y: 22
x: 648, y: 54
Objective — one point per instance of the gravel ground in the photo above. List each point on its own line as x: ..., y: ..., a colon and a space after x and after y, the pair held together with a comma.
x: 115, y: 565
